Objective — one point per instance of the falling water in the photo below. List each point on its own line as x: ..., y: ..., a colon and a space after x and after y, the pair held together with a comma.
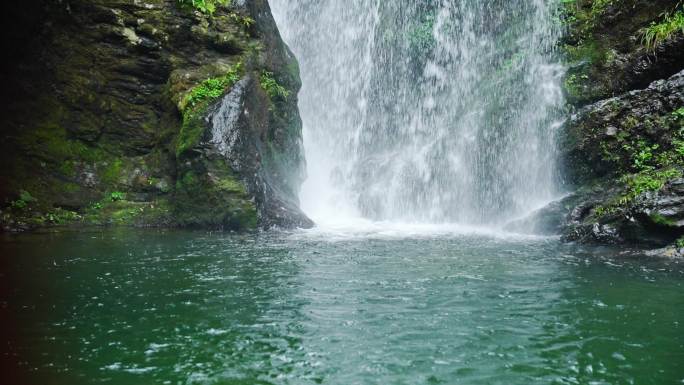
x: 429, y: 111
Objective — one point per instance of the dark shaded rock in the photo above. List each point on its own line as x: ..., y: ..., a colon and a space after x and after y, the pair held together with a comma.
x: 625, y: 152
x: 600, y: 139
x: 94, y: 95
x: 655, y: 218
x: 626, y: 155
x: 557, y: 216
x: 606, y: 51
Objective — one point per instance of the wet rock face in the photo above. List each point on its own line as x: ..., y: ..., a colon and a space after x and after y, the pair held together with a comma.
x: 653, y: 219
x: 115, y: 103
x: 599, y: 140
x: 623, y: 147
x: 625, y: 155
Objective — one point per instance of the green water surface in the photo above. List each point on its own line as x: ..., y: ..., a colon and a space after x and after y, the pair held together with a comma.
x: 132, y: 307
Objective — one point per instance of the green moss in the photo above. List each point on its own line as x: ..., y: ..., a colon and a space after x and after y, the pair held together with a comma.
x: 678, y: 114
x: 191, y: 131
x: 127, y: 213
x: 649, y: 180
x: 111, y: 174
x: 61, y: 216
x: 293, y: 69
x: 189, y: 179
x: 49, y: 141
x: 224, y: 201
x: 231, y: 185
x: 68, y: 168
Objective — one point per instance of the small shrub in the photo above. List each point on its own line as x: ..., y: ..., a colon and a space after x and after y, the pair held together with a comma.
x: 272, y: 88
x: 649, y: 181
x: 204, y: 6
x: 117, y: 196
x: 212, y: 88
x: 644, y: 155
x: 680, y: 243
x: 25, y: 199
x: 679, y: 113
x: 245, y: 21
x: 60, y: 216
x: 657, y: 33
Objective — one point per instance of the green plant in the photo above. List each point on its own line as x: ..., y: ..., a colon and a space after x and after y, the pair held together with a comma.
x: 637, y: 184
x: 211, y: 88
x: 204, y: 6
x: 195, y: 103
x: 61, y: 216
x: 649, y: 181
x: 644, y: 155
x: 117, y: 196
x: 680, y: 243
x: 25, y: 198
x: 656, y: 33
x: 245, y: 21
x: 679, y: 113
x: 271, y: 86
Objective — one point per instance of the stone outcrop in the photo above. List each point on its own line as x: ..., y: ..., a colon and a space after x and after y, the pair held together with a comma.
x: 623, y: 147
x: 149, y: 113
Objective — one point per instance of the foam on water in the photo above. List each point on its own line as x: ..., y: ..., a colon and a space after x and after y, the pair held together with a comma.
x: 349, y: 229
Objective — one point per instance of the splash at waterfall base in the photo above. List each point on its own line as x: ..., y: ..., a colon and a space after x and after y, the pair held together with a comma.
x: 427, y: 112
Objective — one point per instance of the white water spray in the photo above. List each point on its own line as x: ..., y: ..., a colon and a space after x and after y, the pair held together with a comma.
x: 426, y: 111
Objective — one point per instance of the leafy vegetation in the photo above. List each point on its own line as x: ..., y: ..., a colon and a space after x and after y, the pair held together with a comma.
x: 212, y: 88
x: 680, y: 242
x: 584, y: 14
x: 25, y: 199
x: 117, y: 196
x: 678, y: 114
x: 272, y: 87
x: 657, y: 33
x: 196, y: 102
x: 60, y: 216
x: 245, y: 21
x: 204, y: 6
x: 652, y: 164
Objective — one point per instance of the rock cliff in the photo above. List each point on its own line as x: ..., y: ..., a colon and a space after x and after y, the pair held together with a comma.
x: 149, y: 113
x: 623, y: 147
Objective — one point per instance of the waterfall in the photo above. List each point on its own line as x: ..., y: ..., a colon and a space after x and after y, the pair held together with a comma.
x: 434, y: 111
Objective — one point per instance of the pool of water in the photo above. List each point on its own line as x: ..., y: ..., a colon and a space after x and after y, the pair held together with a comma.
x: 169, y: 307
